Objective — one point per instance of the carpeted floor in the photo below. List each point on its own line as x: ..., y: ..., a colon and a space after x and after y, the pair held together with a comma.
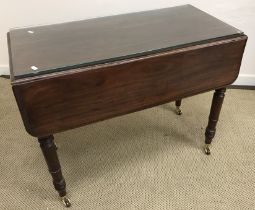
x: 146, y: 160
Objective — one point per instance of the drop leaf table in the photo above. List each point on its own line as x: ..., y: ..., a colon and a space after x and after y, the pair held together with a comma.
x: 72, y: 74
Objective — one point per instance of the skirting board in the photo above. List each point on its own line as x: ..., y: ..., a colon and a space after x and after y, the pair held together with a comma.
x: 243, y: 79
x: 4, y: 70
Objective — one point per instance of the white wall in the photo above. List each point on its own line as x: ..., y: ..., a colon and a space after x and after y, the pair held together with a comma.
x: 17, y: 13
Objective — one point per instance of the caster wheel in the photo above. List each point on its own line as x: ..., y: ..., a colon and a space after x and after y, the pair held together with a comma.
x: 178, y: 111
x: 66, y: 201
x: 207, y: 149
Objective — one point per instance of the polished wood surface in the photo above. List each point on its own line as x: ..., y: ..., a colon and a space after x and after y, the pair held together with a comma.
x: 217, y: 102
x: 49, y: 150
x: 198, y: 53
x: 66, y: 100
x: 84, y: 43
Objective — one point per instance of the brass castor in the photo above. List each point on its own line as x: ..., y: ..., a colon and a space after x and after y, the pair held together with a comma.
x: 66, y: 201
x: 207, y: 149
x: 178, y: 110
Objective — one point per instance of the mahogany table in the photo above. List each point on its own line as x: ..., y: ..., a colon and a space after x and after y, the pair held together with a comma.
x: 72, y: 74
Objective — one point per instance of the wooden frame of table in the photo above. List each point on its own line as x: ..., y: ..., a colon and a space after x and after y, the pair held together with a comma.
x: 59, y: 101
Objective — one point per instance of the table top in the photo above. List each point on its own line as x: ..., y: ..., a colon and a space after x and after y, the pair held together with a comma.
x: 60, y: 47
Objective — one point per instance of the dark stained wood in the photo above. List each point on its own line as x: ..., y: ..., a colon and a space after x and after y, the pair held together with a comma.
x: 178, y: 102
x: 84, y: 43
x: 98, y: 69
x: 217, y: 102
x: 60, y: 101
x: 50, y: 154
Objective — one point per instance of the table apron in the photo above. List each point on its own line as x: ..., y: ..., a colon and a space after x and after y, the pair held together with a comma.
x: 68, y: 100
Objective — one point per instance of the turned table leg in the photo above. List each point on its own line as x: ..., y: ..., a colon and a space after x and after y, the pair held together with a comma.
x: 217, y: 101
x: 50, y: 154
x: 178, y: 105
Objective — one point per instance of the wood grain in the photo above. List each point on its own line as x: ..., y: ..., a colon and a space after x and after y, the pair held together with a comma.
x: 56, y: 102
x: 82, y: 43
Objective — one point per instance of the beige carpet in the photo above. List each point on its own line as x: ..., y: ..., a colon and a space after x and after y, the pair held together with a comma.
x: 146, y: 160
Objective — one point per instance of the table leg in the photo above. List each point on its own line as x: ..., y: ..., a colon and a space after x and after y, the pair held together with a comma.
x: 178, y: 105
x: 50, y: 154
x: 217, y: 101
